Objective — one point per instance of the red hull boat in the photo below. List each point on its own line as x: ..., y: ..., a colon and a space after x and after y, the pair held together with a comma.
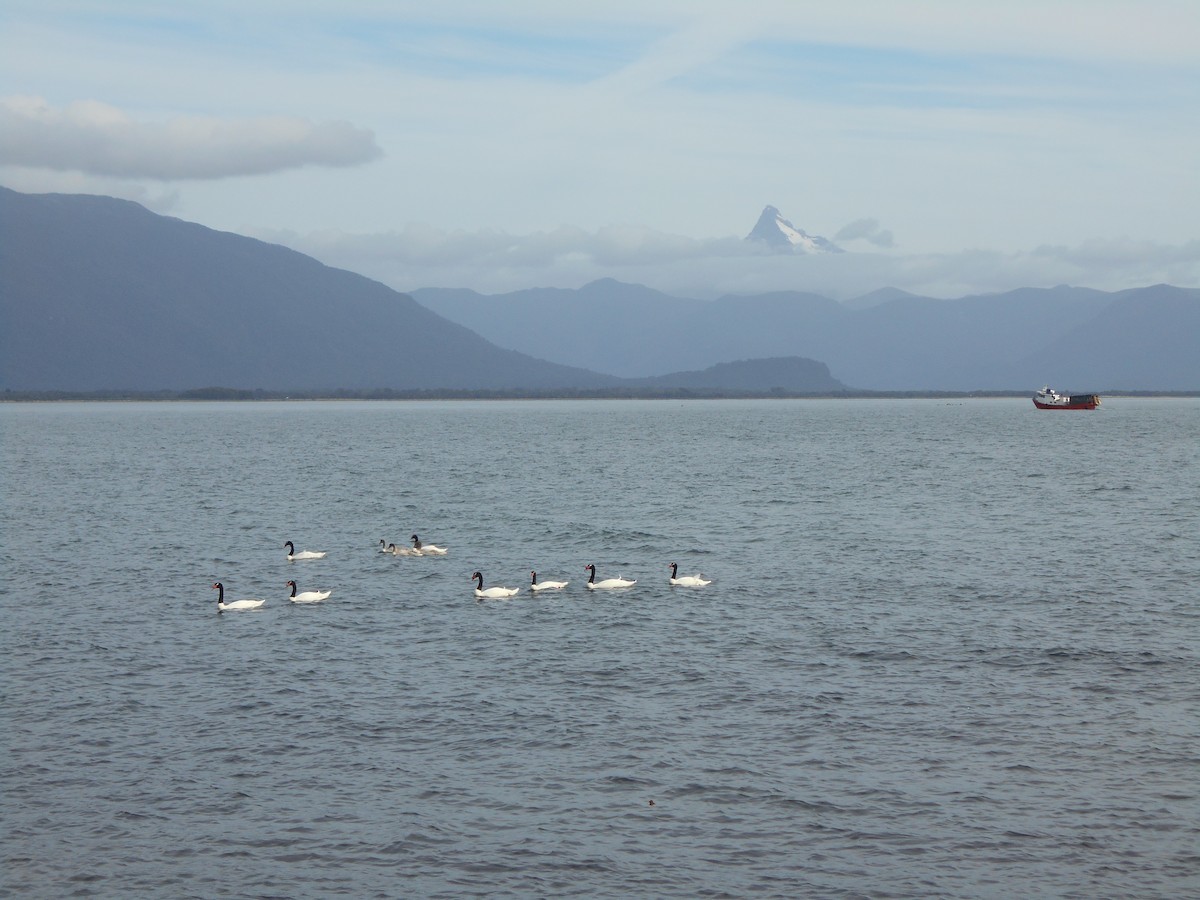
x: 1048, y: 398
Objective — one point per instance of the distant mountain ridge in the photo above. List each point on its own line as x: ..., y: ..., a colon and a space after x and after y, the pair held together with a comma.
x: 101, y: 295
x: 98, y: 294
x: 890, y: 340
x: 778, y: 233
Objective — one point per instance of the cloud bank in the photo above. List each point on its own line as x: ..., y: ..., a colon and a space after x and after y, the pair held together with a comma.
x: 99, y: 139
x: 496, y: 262
x: 866, y: 230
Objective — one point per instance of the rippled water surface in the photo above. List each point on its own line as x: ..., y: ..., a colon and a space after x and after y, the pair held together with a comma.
x: 949, y: 649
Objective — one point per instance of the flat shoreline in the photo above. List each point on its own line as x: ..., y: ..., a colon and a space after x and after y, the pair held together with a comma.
x: 238, y: 395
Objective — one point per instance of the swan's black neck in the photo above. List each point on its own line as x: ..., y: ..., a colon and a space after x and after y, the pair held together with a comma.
x: 289, y: 547
x: 533, y: 577
x: 478, y: 576
x: 416, y: 542
x: 674, y: 570
x: 292, y: 584
x: 592, y: 577
x: 220, y: 593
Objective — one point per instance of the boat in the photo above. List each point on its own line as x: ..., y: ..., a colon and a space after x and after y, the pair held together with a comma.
x: 1048, y: 398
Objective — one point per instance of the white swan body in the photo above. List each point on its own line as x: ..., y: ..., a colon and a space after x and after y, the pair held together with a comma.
x: 427, y: 549
x: 233, y: 604
x: 608, y: 584
x: 536, y: 585
x: 303, y: 554
x: 306, y: 596
x: 686, y: 580
x: 402, y: 551
x: 492, y: 593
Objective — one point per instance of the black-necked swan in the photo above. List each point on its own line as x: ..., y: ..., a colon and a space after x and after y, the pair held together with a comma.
x: 427, y: 549
x: 608, y: 584
x: 233, y: 604
x: 492, y: 593
x: 303, y: 554
x: 306, y: 596
x: 535, y: 585
x: 686, y: 580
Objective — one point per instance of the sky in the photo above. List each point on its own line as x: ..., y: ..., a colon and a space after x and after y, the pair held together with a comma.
x: 949, y: 147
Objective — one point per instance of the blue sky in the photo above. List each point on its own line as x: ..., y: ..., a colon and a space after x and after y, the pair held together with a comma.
x: 499, y: 146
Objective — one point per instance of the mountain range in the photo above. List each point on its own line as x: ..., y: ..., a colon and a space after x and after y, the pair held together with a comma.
x: 1143, y: 339
x: 98, y: 294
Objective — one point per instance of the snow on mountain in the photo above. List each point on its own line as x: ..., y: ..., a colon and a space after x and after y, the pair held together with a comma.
x: 776, y: 231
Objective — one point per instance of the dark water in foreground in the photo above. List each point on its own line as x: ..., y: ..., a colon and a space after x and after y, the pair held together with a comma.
x: 950, y: 649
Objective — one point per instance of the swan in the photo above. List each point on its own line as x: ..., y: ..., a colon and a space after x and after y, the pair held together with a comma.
x: 545, y: 585
x: 233, y: 604
x: 492, y: 593
x: 427, y: 549
x: 307, y: 596
x: 402, y: 551
x: 686, y: 580
x: 303, y: 554
x: 607, y: 584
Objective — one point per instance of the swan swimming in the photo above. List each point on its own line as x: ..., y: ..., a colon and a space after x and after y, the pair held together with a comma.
x: 233, y: 604
x: 428, y: 549
x: 608, y: 584
x: 686, y: 580
x: 492, y: 593
x: 400, y: 551
x: 535, y: 585
x: 306, y: 596
x: 303, y: 554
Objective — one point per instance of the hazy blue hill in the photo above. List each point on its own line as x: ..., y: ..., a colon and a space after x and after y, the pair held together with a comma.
x: 97, y: 294
x: 1111, y: 350
x: 1142, y: 339
x: 606, y: 325
x: 964, y: 344
x: 780, y: 323
x: 875, y: 298
x: 786, y: 374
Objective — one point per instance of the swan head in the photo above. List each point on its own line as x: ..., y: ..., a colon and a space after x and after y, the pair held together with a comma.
x: 292, y: 585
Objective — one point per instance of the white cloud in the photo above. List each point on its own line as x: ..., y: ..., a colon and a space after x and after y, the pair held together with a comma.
x: 99, y: 139
x: 495, y: 262
x: 865, y: 230
x: 1005, y: 126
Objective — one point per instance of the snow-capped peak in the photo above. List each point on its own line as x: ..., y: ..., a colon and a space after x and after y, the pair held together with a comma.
x: 778, y: 232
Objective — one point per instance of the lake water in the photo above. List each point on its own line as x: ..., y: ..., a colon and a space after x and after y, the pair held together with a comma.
x: 949, y: 649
